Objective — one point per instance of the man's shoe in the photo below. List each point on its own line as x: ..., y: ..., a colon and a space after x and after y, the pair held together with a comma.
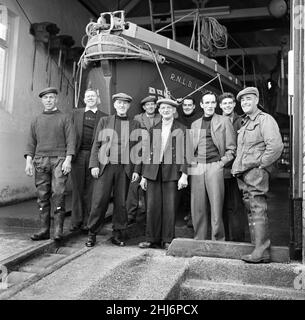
x: 147, y: 244
x: 117, y: 242
x: 249, y: 258
x: 91, y: 241
x: 40, y: 236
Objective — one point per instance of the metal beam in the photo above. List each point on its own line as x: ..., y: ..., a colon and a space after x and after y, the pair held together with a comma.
x: 220, y: 13
x: 254, y: 51
x: 131, y: 5
x: 258, y: 77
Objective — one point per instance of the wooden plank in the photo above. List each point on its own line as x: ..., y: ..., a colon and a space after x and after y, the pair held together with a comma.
x: 221, y: 249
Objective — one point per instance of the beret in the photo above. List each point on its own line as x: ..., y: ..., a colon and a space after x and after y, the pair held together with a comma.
x: 149, y: 99
x: 248, y: 90
x: 168, y: 101
x: 122, y: 96
x: 48, y: 90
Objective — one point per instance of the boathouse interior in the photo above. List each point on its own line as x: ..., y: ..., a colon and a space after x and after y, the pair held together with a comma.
x: 258, y: 42
x: 254, y: 39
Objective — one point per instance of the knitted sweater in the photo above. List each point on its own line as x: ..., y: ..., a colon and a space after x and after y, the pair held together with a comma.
x: 51, y: 134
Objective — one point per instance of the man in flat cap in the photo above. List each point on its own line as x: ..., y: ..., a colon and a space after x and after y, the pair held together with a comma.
x: 112, y: 167
x: 49, y: 150
x: 163, y: 175
x: 214, y: 145
x: 148, y: 119
x: 259, y: 145
x: 85, y: 121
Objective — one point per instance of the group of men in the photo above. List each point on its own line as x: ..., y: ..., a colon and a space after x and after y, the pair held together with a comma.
x: 164, y: 154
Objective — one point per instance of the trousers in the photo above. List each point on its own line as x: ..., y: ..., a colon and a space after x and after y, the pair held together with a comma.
x: 50, y: 183
x: 207, y: 187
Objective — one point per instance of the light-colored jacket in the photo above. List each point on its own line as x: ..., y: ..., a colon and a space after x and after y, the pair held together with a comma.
x: 223, y: 136
x: 259, y: 143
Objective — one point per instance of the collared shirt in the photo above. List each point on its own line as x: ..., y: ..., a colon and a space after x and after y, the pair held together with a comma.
x: 94, y: 110
x: 166, y: 129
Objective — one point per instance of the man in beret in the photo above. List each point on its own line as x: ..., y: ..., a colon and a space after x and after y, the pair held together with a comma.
x: 49, y: 150
x: 148, y: 119
x: 112, y: 167
x: 233, y: 209
x: 259, y: 145
x: 163, y: 175
x: 85, y: 121
x: 214, y: 144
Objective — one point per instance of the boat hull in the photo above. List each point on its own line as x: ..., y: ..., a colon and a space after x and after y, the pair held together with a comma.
x: 141, y: 78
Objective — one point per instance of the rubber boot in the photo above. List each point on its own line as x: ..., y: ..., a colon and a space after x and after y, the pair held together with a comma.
x: 44, y: 232
x: 59, y: 218
x: 261, y: 253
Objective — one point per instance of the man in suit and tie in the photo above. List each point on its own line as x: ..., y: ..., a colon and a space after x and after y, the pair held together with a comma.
x: 111, y: 165
x: 163, y: 174
x: 147, y: 120
x: 85, y: 122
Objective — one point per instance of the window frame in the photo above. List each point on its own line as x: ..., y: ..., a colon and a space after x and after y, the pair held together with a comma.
x: 10, y: 45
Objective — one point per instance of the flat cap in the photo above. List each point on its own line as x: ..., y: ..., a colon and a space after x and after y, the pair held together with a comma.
x: 48, y: 90
x: 248, y: 90
x: 122, y: 96
x: 149, y: 99
x: 168, y: 101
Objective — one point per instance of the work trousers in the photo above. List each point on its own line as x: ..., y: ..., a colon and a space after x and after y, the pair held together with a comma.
x: 207, y: 186
x: 254, y: 184
x: 82, y: 183
x: 50, y: 183
x: 161, y: 208
x: 114, y: 178
x: 234, y: 215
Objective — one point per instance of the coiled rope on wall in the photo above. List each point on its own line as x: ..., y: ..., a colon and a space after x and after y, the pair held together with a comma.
x: 213, y: 35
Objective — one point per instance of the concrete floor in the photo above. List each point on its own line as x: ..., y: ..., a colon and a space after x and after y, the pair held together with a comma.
x: 17, y: 221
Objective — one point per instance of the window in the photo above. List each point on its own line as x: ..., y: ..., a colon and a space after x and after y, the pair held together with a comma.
x: 7, y: 56
x: 3, y: 48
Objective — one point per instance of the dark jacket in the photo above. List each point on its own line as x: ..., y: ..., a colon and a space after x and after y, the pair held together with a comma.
x: 78, y: 121
x: 174, y: 159
x: 104, y: 136
x: 144, y: 120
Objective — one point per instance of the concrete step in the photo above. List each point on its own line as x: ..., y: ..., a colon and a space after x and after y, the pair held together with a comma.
x: 16, y: 277
x: 229, y: 270
x: 194, y: 289
x: 150, y: 275
x: 40, y: 263
x: 182, y: 247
